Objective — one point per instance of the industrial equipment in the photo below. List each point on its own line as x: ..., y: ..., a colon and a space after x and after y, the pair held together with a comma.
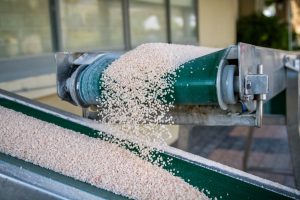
x: 22, y: 180
x: 234, y: 83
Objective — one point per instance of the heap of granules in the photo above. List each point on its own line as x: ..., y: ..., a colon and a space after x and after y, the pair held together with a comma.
x: 102, y: 164
x: 134, y: 88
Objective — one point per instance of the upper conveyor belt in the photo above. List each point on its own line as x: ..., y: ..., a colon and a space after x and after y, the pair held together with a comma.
x: 239, y: 77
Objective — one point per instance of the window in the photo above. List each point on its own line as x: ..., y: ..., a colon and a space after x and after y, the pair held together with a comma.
x: 24, y: 28
x: 30, y: 31
x: 147, y: 21
x: 183, y: 22
x: 91, y: 24
x: 85, y: 25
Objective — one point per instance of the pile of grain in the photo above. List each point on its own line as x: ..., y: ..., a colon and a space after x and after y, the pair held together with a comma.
x: 134, y: 89
x: 91, y: 160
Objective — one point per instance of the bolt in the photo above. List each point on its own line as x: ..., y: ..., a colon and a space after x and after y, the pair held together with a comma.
x: 248, y: 85
x: 248, y: 97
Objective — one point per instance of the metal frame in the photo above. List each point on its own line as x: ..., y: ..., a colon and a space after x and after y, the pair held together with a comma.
x: 126, y: 24
x: 195, y: 4
x: 30, y: 185
x: 168, y: 21
x: 55, y: 23
x: 293, y: 120
x: 282, y: 67
x: 250, y: 61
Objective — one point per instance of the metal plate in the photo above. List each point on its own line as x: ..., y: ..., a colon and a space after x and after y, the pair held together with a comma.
x: 273, y: 64
x: 256, y: 84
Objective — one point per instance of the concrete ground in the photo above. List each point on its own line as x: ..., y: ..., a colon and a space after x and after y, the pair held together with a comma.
x: 269, y: 157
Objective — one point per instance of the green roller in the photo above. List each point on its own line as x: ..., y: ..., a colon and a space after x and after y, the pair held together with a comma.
x: 195, y: 82
x: 89, y: 79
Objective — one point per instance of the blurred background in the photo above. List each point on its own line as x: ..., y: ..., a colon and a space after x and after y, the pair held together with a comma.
x: 32, y: 31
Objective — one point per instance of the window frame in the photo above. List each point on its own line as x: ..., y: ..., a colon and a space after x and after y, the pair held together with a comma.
x: 127, y: 41
x: 30, y: 65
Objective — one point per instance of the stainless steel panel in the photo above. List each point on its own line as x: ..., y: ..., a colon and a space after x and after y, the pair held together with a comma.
x: 19, y: 183
x: 293, y: 121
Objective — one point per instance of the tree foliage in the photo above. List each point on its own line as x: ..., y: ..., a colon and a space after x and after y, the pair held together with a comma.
x: 260, y: 30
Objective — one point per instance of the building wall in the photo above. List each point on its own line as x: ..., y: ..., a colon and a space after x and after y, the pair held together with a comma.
x: 217, y: 22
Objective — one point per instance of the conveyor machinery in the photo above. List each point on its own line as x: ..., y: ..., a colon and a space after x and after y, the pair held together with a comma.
x: 234, y: 83
x: 227, y: 87
x: 23, y: 180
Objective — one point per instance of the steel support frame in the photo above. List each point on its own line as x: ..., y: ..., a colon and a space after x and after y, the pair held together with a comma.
x: 293, y: 121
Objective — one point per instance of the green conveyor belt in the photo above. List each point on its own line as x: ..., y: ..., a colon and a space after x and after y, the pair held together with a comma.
x: 196, y: 75
x: 196, y: 80
x: 217, y: 183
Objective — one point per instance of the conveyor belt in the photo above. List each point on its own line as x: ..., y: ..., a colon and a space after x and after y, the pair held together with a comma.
x: 217, y: 180
x: 196, y: 80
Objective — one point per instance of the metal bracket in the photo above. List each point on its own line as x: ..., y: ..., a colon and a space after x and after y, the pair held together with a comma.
x: 292, y: 62
x: 69, y: 65
x: 256, y: 84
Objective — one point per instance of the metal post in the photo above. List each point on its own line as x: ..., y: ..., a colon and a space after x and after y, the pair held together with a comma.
x: 126, y: 24
x: 168, y: 17
x: 293, y: 121
x: 260, y: 100
x: 54, y: 11
x: 247, y: 150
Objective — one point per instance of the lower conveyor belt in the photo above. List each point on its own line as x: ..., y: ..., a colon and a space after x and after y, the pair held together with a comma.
x: 217, y: 180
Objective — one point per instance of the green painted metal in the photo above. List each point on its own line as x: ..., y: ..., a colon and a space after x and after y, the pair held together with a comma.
x: 216, y: 183
x: 196, y: 80
x: 275, y: 105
